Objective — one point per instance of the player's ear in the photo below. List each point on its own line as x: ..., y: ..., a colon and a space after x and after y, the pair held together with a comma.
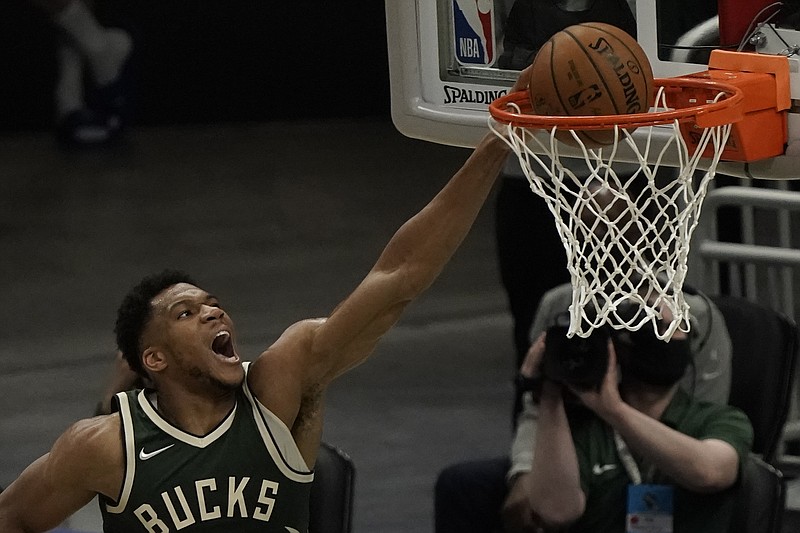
x: 153, y: 359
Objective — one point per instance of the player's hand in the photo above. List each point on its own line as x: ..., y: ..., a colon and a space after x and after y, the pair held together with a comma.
x: 522, y: 80
x: 605, y: 399
x: 516, y: 513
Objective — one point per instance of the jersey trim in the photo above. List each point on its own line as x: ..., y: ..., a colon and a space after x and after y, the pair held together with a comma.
x: 130, y: 454
x: 278, y: 439
x: 172, y: 431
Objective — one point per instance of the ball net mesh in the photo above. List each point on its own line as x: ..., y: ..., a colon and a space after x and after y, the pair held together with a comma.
x: 626, y: 233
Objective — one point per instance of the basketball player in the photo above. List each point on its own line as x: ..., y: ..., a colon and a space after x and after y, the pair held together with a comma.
x: 218, y: 445
x: 102, y: 53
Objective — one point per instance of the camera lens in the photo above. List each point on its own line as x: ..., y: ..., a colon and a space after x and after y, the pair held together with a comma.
x: 575, y: 360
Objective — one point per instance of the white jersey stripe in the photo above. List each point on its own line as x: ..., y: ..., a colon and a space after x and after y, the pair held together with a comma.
x: 278, y: 440
x: 130, y: 454
x: 172, y: 431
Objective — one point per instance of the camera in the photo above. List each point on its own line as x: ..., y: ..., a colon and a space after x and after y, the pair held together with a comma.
x: 577, y: 361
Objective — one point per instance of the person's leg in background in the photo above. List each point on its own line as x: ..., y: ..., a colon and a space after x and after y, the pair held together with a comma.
x: 531, y: 257
x: 469, y: 496
x: 88, y: 51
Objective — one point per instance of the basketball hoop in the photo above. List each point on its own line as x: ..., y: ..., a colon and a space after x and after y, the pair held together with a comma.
x: 626, y: 235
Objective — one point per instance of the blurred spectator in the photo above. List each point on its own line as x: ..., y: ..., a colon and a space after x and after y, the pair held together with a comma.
x: 92, y: 97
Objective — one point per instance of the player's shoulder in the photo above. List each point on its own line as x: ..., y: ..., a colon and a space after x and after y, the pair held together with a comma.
x: 295, y: 341
x: 304, y: 326
x: 295, y: 337
x: 92, y: 436
x: 90, y: 452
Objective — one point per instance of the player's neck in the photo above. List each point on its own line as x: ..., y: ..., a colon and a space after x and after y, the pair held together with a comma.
x: 195, y: 414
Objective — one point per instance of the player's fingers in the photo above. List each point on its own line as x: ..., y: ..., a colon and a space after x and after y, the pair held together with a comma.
x: 522, y: 80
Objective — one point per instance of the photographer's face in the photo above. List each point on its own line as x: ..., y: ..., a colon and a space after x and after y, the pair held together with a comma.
x: 666, y: 320
x: 646, y: 358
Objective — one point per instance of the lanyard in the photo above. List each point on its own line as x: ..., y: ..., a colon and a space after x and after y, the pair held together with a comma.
x: 629, y: 463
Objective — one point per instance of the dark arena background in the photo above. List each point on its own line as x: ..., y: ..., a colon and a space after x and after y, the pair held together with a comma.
x: 215, y: 60
x: 263, y: 160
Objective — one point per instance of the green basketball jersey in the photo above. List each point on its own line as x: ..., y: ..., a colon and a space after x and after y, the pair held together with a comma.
x: 245, y: 475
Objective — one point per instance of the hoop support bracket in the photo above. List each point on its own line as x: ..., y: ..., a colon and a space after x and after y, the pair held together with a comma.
x: 764, y: 79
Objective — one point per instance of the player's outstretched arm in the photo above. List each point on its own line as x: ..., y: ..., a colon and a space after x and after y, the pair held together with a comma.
x: 411, y: 261
x: 314, y: 352
x: 84, y: 461
x: 290, y: 377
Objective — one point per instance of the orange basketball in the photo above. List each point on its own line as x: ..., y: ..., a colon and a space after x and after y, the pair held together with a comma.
x: 591, y: 69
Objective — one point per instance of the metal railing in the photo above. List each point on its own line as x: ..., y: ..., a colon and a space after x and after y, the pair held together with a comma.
x: 761, y: 267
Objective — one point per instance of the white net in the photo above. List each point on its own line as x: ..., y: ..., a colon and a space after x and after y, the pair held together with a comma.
x: 626, y: 234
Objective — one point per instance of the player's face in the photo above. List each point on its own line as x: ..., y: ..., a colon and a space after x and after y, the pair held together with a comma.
x: 196, y: 336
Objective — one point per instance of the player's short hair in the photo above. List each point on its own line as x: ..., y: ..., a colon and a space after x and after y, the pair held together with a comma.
x: 136, y: 310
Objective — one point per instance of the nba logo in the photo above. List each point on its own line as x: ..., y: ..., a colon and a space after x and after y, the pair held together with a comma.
x: 473, y: 23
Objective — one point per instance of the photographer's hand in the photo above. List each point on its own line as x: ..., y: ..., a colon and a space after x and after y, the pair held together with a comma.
x: 605, y: 400
x: 533, y: 359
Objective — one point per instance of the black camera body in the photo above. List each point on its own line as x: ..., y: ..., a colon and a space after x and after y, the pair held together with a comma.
x: 577, y: 361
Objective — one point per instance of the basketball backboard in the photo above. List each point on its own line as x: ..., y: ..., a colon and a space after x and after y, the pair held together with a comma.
x: 443, y: 59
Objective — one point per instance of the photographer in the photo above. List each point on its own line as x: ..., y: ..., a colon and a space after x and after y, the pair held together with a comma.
x: 633, y: 445
x: 488, y: 494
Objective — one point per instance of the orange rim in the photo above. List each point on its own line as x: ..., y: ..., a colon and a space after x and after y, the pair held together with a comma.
x: 726, y: 110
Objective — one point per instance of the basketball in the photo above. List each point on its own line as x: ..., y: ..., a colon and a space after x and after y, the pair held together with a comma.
x: 591, y: 69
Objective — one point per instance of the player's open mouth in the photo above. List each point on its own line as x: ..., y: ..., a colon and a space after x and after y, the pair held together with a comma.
x: 223, y: 344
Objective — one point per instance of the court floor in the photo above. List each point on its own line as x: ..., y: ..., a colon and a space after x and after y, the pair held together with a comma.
x: 280, y: 220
